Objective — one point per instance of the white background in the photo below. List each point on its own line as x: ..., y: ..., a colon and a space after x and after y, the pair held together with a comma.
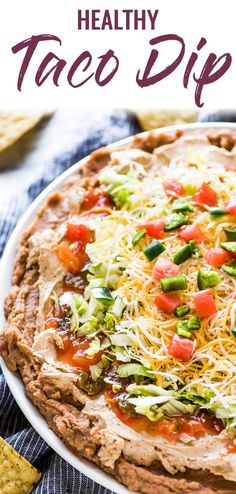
x: 191, y: 19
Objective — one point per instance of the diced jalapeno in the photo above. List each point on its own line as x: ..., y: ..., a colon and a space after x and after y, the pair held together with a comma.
x: 229, y: 246
x: 182, y: 310
x: 183, y: 254
x: 182, y: 205
x: 183, y: 332
x: 102, y: 294
x: 173, y: 283
x: 153, y: 250
x: 194, y: 323
x: 207, y: 279
x: 231, y: 234
x: 140, y: 234
x: 175, y: 220
x: 230, y: 269
x: 217, y: 212
x: 234, y: 332
x: 92, y: 388
x: 188, y: 325
x: 182, y: 329
x: 196, y: 251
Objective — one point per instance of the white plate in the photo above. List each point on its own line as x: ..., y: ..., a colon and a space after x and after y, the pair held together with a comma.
x: 14, y: 382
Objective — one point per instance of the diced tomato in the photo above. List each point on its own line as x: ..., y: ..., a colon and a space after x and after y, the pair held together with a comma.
x: 192, y: 232
x: 74, y: 353
x: 95, y: 198
x: 230, y: 207
x: 217, y: 256
x: 81, y: 359
x: 72, y: 260
x: 154, y: 228
x: 206, y: 195
x: 163, y: 267
x: 79, y: 233
x: 204, y: 303
x: 181, y: 348
x: 173, y: 188
x: 167, y: 302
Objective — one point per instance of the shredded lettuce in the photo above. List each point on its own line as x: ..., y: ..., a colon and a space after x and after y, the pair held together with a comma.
x: 127, y: 370
x: 225, y: 413
x: 231, y: 424
x: 109, y: 176
x: 149, y: 390
x: 194, y: 398
x: 121, y: 339
x: 77, y: 305
x: 118, y: 307
x: 154, y: 402
x: 96, y: 371
x: 110, y: 321
x: 120, y: 354
x: 94, y: 348
x: 116, y: 388
x: 105, y: 344
x: 118, y: 187
x: 148, y: 406
x: 90, y: 326
x: 96, y: 267
x: 175, y: 408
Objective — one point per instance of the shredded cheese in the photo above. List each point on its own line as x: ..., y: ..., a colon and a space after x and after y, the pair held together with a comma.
x: 213, y: 365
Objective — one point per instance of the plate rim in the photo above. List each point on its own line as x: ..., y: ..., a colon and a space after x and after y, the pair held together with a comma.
x: 37, y: 421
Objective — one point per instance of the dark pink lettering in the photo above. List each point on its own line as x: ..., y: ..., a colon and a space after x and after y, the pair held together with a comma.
x: 40, y: 77
x: 105, y: 59
x: 207, y: 76
x: 30, y: 44
x: 192, y: 60
x: 147, y: 79
x: 84, y: 57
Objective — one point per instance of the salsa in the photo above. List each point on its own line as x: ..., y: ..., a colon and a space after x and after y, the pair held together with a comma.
x: 170, y: 429
x: 75, y: 352
x: 72, y: 250
x: 95, y: 198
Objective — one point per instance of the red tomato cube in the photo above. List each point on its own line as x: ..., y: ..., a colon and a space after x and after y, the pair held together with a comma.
x: 192, y: 232
x: 204, y: 303
x: 73, y: 261
x: 173, y: 188
x: 154, y: 228
x: 206, y: 195
x: 217, y: 256
x: 163, y: 267
x: 181, y: 348
x: 167, y: 302
x: 78, y: 233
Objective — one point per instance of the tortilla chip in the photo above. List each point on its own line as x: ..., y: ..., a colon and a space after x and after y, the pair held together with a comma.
x: 17, y: 475
x: 152, y: 119
x: 14, y: 125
